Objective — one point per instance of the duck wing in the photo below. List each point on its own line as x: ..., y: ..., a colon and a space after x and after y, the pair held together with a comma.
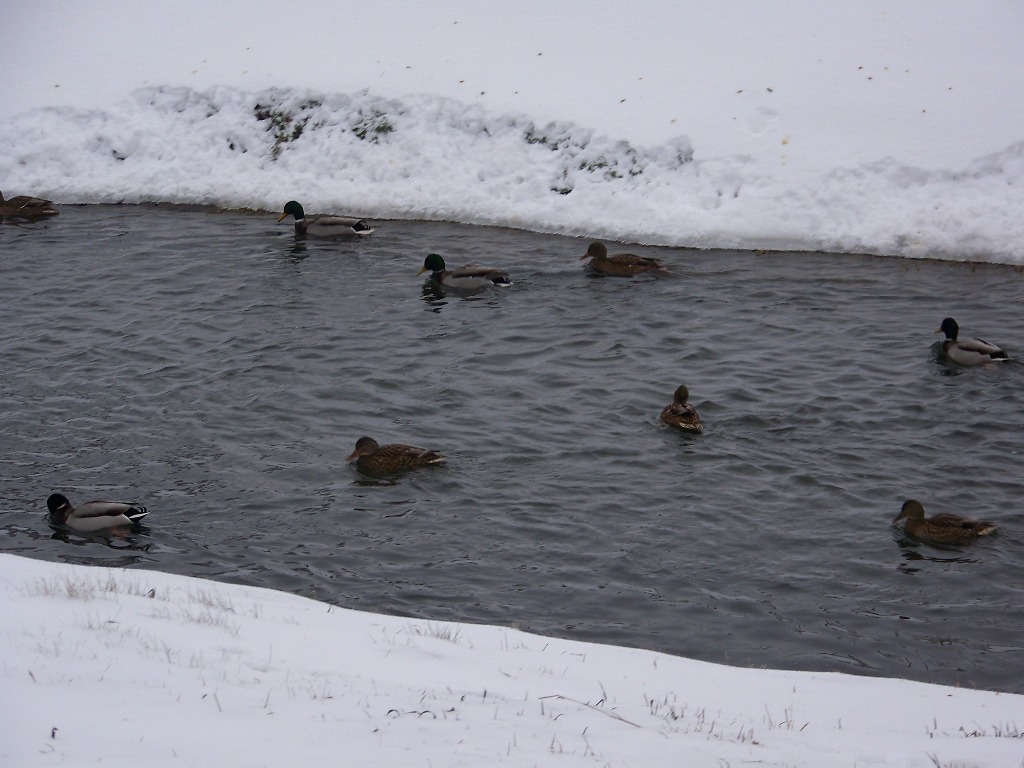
x: 28, y: 207
x: 972, y: 527
x: 948, y: 529
x: 682, y: 416
x: 493, y: 275
x: 636, y: 261
x: 419, y: 456
x: 626, y: 264
x: 981, y: 347
x: 113, y: 509
x: 472, y: 278
x: 397, y: 457
x: 337, y: 226
x: 972, y: 352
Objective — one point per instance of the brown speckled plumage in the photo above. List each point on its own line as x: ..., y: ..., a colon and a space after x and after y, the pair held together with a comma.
x: 620, y: 265
x: 943, y: 529
x: 25, y: 207
x: 681, y: 414
x: 395, y: 457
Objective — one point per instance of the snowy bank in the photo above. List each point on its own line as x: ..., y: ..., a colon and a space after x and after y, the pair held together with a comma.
x: 108, y: 665
x: 438, y: 159
x: 884, y: 127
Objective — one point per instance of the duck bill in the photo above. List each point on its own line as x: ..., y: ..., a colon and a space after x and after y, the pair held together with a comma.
x: 353, y: 455
x: 282, y: 217
x: 422, y: 270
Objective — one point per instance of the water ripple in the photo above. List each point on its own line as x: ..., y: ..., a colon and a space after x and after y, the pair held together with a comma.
x: 211, y: 366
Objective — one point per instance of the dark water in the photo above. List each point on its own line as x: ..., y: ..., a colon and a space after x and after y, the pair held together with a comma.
x: 209, y: 366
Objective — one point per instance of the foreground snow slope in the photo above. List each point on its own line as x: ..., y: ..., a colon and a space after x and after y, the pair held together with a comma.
x: 113, y: 665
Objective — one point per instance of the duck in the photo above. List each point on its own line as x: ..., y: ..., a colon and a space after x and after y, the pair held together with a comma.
x: 620, y: 265
x: 394, y: 457
x: 94, y: 515
x: 324, y: 226
x: 681, y: 414
x: 469, y: 277
x: 25, y: 207
x: 967, y: 351
x: 942, y: 529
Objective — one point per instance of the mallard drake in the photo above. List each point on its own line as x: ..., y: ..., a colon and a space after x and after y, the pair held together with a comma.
x: 967, y: 351
x: 25, y: 207
x: 94, y: 515
x: 386, y: 459
x: 620, y: 265
x: 943, y: 529
x: 681, y: 414
x: 468, y: 278
x: 324, y: 226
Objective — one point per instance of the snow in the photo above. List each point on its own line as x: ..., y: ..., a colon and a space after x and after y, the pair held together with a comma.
x: 879, y: 127
x: 112, y: 666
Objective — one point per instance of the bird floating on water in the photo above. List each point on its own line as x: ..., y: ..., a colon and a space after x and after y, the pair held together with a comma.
x: 619, y: 265
x: 679, y: 413
x: 967, y: 351
x: 395, y: 457
x: 469, y: 277
x: 325, y: 226
x: 94, y: 515
x: 942, y: 529
x: 26, y: 207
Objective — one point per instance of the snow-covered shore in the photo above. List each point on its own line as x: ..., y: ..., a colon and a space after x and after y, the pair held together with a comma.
x: 114, y: 666
x: 883, y: 127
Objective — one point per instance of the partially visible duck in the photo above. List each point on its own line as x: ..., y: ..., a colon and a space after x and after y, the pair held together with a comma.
x: 468, y: 278
x: 942, y: 529
x: 679, y: 413
x: 395, y: 457
x: 94, y: 515
x: 620, y: 265
x: 325, y: 226
x: 967, y: 351
x: 25, y: 207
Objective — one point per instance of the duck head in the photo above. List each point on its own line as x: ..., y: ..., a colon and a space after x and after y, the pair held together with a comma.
x: 292, y: 208
x: 911, y: 510
x: 433, y: 263
x: 950, y: 328
x: 364, y: 447
x: 59, y: 506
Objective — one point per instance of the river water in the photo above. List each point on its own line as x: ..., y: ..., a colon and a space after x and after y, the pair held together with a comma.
x: 210, y: 366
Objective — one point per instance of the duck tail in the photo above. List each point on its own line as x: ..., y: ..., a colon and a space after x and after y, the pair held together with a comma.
x: 136, y: 513
x: 985, y: 528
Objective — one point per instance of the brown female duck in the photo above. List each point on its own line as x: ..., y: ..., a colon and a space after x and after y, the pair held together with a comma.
x: 943, y: 529
x: 25, y: 207
x: 621, y: 264
x: 387, y: 459
x: 679, y: 413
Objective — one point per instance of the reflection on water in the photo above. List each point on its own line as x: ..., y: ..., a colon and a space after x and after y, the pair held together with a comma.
x: 135, y: 538
x: 219, y: 370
